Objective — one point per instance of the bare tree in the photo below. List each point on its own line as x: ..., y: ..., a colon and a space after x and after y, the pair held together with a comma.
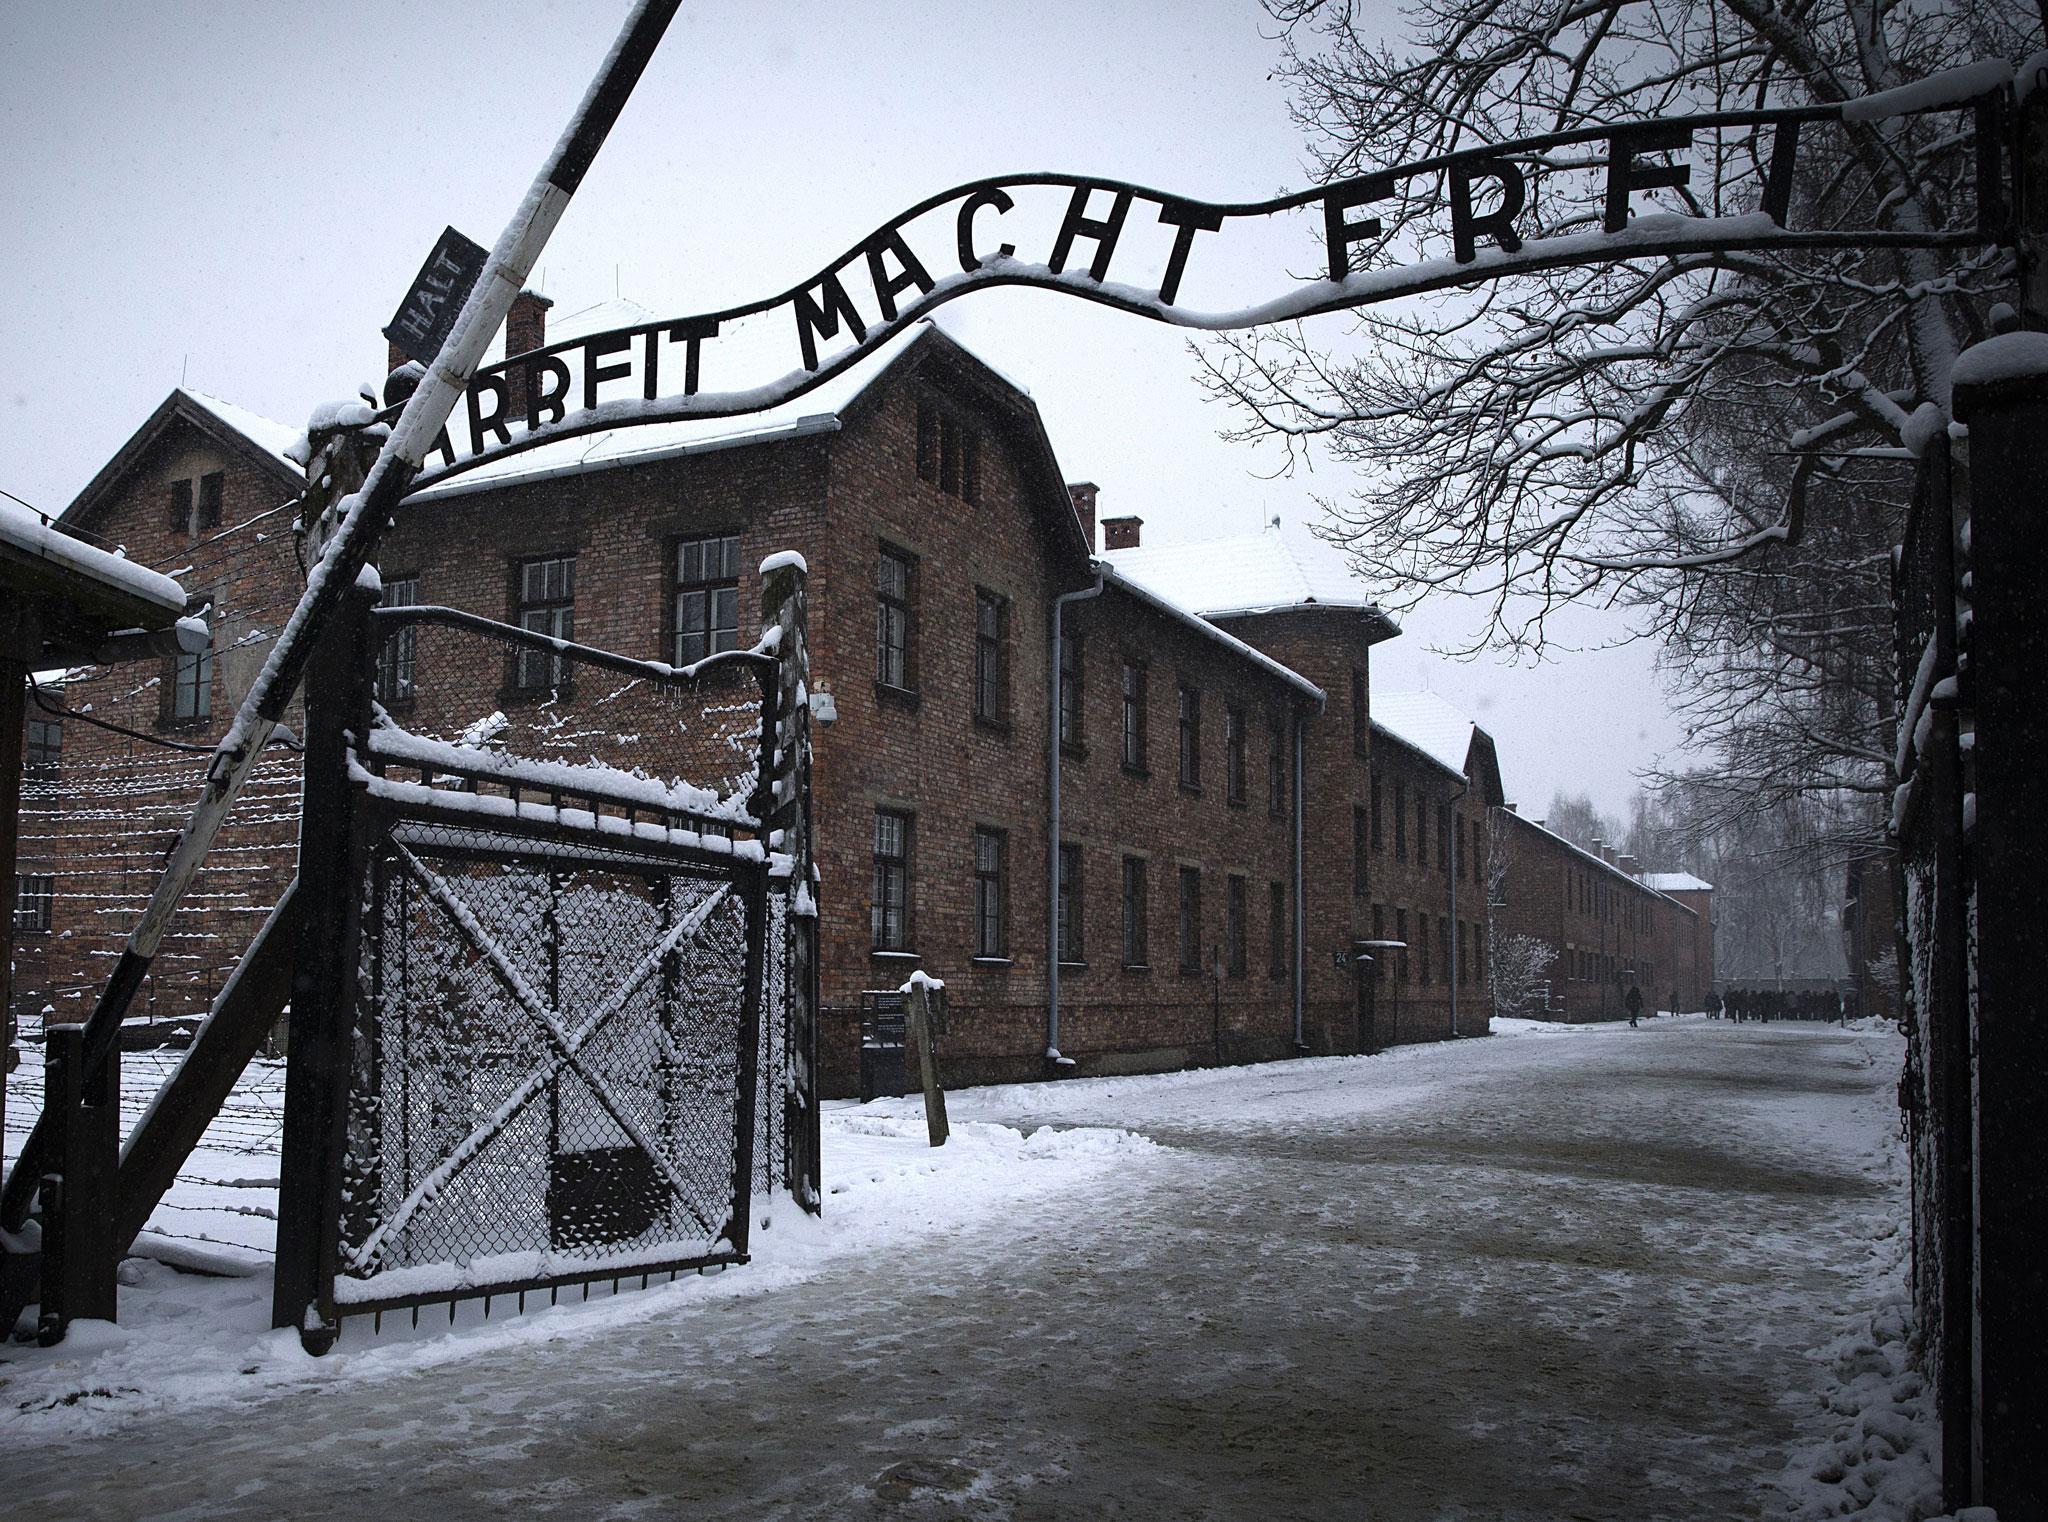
x: 1517, y: 974
x: 1574, y: 816
x: 1618, y: 429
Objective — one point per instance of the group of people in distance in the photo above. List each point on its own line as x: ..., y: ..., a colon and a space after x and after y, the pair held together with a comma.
x: 1768, y: 1004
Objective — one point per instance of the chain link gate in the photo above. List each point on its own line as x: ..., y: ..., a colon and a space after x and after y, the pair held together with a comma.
x: 554, y: 1031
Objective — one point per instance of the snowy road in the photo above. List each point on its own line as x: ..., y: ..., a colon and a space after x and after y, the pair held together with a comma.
x: 1537, y: 1277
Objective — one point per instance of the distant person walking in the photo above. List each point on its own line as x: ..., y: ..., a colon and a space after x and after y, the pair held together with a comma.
x: 1633, y: 1003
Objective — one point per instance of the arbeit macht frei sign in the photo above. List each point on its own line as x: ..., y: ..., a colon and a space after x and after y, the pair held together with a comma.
x: 1183, y: 261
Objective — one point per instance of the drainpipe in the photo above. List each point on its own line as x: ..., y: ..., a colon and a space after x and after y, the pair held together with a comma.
x: 1457, y: 931
x: 1052, y: 839
x: 1300, y: 961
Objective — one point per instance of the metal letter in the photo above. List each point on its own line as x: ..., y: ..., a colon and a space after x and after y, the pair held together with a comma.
x: 909, y: 273
x: 1499, y: 225
x: 1624, y: 174
x: 969, y: 262
x: 815, y: 321
x: 1189, y: 220
x: 1104, y: 233
x: 1340, y: 234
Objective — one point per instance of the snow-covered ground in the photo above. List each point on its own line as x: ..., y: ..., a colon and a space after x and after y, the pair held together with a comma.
x: 1570, y: 1271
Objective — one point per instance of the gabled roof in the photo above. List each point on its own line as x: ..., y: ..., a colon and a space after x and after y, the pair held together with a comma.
x: 1112, y: 577
x: 1593, y: 860
x: 259, y: 440
x: 1675, y: 882
x: 823, y: 410
x: 1244, y: 574
x: 1429, y: 724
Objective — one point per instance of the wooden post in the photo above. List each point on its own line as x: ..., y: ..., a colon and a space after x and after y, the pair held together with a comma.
x: 79, y: 1253
x: 323, y: 989
x: 918, y: 1023
x: 786, y: 820
x: 14, y: 674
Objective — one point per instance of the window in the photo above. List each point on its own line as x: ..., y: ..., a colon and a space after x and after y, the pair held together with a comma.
x: 707, y: 597
x: 1068, y: 927
x: 1359, y: 837
x: 895, y: 583
x: 1276, y: 769
x: 949, y: 455
x: 1401, y: 951
x: 1458, y: 867
x: 181, y: 507
x: 991, y: 852
x: 889, y: 911
x: 1421, y: 831
x: 1135, y: 950
x: 991, y: 656
x: 45, y: 749
x: 1134, y: 716
x: 211, y: 488
x: 192, y: 684
x: 1378, y: 839
x: 1443, y: 947
x: 547, y: 605
x: 1234, y: 766
x: 1463, y: 940
x: 927, y: 442
x: 1190, y: 737
x: 1190, y: 919
x: 397, y: 656
x: 1233, y: 926
x: 34, y: 893
x: 1400, y: 821
x: 1478, y: 958
x: 1070, y: 689
x: 1361, y: 714
x: 1422, y: 946
x: 1379, y: 953
x: 1276, y: 929
x: 1443, y: 837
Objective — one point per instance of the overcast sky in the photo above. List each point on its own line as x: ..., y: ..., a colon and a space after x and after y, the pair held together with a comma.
x: 237, y: 194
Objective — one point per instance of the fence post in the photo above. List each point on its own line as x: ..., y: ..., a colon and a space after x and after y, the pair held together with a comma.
x: 787, y: 821
x: 320, y: 1055
x: 79, y: 1252
x: 917, y: 1013
x: 2001, y: 393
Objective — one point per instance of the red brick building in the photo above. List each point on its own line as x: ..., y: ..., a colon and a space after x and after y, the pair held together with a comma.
x: 203, y: 491
x: 1607, y: 927
x: 1245, y: 865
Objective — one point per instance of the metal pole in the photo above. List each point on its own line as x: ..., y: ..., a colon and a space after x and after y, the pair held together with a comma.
x: 363, y: 518
x: 1052, y: 828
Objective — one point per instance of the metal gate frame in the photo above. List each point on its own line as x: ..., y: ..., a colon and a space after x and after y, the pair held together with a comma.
x: 344, y: 826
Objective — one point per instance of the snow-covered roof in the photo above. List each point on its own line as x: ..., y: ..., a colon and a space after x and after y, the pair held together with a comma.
x: 26, y: 535
x: 1243, y: 573
x: 1675, y: 882
x: 1427, y: 722
x: 272, y: 437
x: 1114, y: 577
x: 816, y: 411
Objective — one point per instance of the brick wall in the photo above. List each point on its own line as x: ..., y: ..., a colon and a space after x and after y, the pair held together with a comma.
x: 108, y: 821
x: 1606, y: 928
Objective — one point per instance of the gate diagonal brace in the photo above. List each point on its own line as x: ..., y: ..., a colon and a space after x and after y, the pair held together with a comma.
x: 568, y: 1044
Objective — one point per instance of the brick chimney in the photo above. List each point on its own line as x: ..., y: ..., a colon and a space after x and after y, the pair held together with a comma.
x: 1083, y: 494
x: 526, y: 328
x: 526, y: 325
x: 1121, y: 533
x: 1628, y: 865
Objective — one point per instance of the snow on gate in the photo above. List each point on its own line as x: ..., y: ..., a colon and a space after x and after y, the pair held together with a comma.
x: 564, y: 1035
